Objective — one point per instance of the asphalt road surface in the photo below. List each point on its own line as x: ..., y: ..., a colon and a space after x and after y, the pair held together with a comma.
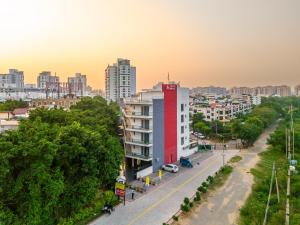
x: 160, y: 204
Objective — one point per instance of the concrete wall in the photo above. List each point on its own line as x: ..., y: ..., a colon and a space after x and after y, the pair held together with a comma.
x: 144, y: 172
x: 158, y: 134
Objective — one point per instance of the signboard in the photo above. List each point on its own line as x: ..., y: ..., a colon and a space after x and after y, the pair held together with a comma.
x: 120, y: 186
x: 120, y: 193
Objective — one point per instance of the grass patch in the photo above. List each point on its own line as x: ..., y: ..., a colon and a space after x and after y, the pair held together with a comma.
x: 235, y: 159
x: 252, y: 213
x: 221, y: 177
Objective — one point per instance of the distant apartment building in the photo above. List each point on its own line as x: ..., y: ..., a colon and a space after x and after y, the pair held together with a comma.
x: 120, y: 80
x: 47, y: 81
x: 241, y: 90
x: 267, y: 91
x: 297, y: 90
x: 211, y: 90
x: 14, y: 79
x: 156, y: 128
x: 78, y: 84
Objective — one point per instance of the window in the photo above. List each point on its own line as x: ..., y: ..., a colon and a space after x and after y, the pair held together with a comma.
x: 182, y: 141
x: 182, y: 118
x: 182, y: 129
x: 182, y: 107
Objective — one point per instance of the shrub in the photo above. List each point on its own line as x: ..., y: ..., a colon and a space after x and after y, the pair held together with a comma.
x: 210, y: 179
x: 204, y: 184
x: 191, y: 205
x: 186, y: 200
x: 198, y: 196
x: 175, y: 218
x: 110, y: 198
x: 202, y: 189
x: 184, y: 208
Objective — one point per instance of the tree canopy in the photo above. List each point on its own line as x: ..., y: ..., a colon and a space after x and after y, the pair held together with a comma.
x: 57, y: 161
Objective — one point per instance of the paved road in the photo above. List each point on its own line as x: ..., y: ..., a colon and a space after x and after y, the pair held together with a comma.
x: 159, y: 205
x: 222, y: 208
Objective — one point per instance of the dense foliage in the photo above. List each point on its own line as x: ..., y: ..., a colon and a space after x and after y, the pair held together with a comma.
x: 58, y: 162
x: 253, y: 211
x: 10, y: 105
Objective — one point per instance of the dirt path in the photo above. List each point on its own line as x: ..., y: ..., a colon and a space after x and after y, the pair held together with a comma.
x: 223, y: 206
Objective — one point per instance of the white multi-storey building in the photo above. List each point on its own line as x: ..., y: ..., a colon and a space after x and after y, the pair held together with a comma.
x: 156, y: 128
x: 120, y: 80
x: 46, y: 81
x: 78, y: 84
x: 13, y: 80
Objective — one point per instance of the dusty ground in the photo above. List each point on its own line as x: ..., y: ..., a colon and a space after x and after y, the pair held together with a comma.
x: 222, y: 207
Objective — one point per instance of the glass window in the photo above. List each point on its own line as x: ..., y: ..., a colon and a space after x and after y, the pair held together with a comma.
x: 182, y: 141
x: 182, y: 107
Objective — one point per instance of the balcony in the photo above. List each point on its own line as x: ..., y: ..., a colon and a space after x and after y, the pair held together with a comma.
x: 138, y: 142
x: 134, y: 155
x: 139, y: 129
x: 138, y: 115
x: 138, y: 102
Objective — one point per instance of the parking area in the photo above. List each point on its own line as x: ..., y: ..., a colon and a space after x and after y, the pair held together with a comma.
x: 140, y: 187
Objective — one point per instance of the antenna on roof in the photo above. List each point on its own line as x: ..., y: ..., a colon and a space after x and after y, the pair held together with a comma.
x: 168, y: 77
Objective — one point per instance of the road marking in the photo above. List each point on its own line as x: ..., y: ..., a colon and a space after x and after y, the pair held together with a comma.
x: 149, y: 208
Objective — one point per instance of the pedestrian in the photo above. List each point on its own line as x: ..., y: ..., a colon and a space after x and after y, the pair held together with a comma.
x: 132, y: 194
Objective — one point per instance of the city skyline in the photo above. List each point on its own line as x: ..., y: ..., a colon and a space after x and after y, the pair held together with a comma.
x: 199, y: 43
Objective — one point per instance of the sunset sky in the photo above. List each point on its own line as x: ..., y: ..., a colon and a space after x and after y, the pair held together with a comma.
x: 199, y: 42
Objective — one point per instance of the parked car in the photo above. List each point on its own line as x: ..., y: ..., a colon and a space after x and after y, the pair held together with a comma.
x: 186, y: 162
x: 170, y: 168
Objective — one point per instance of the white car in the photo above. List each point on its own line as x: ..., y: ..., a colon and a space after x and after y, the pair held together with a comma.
x: 170, y: 168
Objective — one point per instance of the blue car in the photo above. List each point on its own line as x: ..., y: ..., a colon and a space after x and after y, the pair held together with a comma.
x: 186, y: 162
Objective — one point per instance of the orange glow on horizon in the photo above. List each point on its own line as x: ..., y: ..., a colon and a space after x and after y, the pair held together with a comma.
x: 198, y: 42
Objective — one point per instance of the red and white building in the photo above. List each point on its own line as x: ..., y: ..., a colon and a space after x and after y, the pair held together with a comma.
x: 156, y: 128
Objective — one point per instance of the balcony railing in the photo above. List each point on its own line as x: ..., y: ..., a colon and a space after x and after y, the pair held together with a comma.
x: 139, y: 156
x: 128, y: 113
x: 139, y: 127
x: 138, y: 141
x: 139, y: 113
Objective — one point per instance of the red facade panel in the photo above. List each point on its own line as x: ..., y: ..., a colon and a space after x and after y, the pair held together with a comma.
x: 170, y: 122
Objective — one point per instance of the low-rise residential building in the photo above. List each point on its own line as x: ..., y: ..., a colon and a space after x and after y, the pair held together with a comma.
x: 224, y: 109
x: 156, y: 128
x: 6, y: 115
x: 8, y: 125
x: 21, y: 113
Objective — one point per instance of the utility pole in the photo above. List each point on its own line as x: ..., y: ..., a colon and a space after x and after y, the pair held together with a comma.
x: 286, y: 142
x: 269, y: 197
x: 288, y: 189
x: 277, y: 187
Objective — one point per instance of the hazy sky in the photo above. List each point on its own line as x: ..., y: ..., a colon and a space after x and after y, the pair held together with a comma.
x: 211, y: 42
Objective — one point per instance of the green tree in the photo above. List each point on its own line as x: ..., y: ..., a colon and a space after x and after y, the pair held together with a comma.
x: 202, y: 127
